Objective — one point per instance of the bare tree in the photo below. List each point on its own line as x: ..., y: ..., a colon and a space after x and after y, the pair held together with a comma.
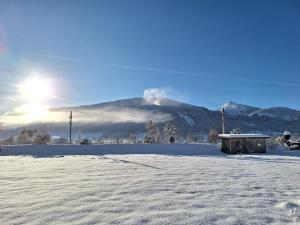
x: 41, y: 139
x: 152, y: 133
x: 42, y: 136
x: 213, y: 136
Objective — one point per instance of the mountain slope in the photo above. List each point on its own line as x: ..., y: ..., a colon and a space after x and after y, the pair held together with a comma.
x: 122, y: 117
x: 283, y: 113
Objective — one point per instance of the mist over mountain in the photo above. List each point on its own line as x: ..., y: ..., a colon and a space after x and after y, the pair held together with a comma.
x: 122, y: 117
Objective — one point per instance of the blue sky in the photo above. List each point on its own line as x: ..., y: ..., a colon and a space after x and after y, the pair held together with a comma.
x: 202, y: 52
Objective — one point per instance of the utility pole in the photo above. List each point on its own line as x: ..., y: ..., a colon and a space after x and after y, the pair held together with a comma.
x: 223, y: 122
x: 71, y: 117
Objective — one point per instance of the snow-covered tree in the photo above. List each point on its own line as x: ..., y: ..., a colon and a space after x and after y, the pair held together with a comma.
x: 26, y: 136
x: 133, y: 138
x: 169, y: 131
x: 152, y: 133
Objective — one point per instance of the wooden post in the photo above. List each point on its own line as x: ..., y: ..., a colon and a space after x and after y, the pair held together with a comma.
x: 71, y: 117
x: 223, y: 122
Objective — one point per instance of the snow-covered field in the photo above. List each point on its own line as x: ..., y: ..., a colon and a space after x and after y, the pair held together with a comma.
x: 167, y: 184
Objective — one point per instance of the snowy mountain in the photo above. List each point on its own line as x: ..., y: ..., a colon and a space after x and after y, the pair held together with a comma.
x: 283, y: 113
x: 122, y: 117
x: 233, y: 108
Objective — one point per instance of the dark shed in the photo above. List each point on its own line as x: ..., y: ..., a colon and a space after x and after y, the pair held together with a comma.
x: 243, y: 143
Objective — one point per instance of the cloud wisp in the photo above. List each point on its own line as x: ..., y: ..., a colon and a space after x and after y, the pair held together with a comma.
x: 99, y: 116
x: 198, y: 75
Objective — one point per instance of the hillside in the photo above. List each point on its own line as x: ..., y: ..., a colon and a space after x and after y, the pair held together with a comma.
x: 121, y: 117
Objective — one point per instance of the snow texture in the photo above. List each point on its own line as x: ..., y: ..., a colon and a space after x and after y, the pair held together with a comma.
x: 166, y: 184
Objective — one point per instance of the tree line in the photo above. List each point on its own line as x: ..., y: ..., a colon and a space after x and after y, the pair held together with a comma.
x: 154, y: 133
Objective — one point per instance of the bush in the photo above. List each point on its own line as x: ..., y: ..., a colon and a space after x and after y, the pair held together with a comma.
x: 41, y: 139
x: 149, y: 140
x: 85, y: 141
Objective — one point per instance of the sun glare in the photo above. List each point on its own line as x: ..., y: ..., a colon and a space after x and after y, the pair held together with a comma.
x: 33, y: 112
x: 36, y: 89
x: 36, y: 93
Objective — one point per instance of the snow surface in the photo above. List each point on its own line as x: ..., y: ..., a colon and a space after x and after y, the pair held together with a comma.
x: 243, y: 136
x: 160, y: 186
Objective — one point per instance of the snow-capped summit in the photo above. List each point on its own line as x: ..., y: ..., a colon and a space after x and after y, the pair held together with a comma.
x: 233, y: 108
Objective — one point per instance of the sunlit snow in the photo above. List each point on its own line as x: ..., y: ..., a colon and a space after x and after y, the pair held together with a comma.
x: 167, y: 188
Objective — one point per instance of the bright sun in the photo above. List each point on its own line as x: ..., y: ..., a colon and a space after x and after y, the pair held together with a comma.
x: 36, y: 93
x: 36, y: 89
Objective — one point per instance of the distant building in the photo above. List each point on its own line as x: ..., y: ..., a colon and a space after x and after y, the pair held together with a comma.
x: 243, y: 143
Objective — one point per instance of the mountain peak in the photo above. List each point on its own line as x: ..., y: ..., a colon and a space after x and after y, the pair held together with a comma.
x: 161, y: 101
x: 230, y: 104
x: 234, y: 108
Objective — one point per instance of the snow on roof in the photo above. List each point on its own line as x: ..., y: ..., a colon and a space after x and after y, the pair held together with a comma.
x: 243, y: 136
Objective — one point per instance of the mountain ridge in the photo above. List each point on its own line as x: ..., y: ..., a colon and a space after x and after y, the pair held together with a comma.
x: 120, y: 117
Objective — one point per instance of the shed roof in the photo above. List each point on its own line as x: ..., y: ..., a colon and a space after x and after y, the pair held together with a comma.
x: 243, y: 136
